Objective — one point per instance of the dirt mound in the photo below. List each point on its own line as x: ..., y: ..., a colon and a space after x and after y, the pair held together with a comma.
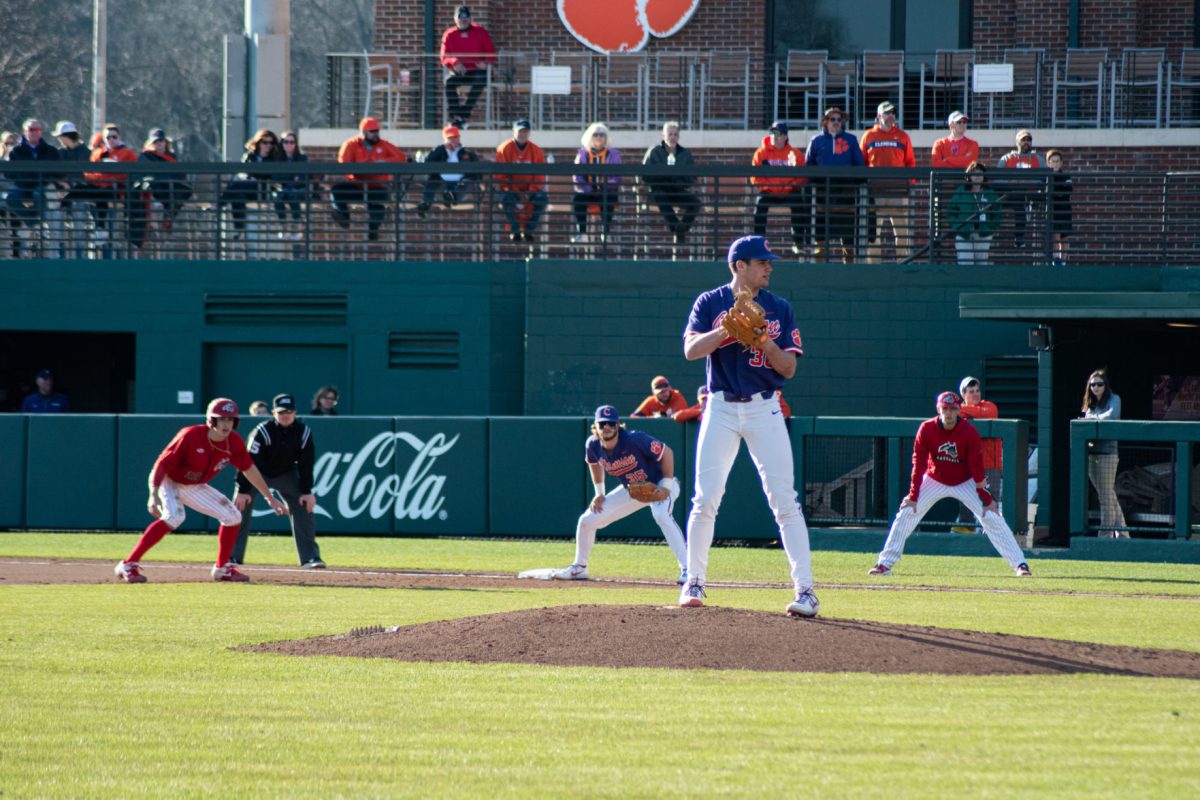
x: 728, y: 638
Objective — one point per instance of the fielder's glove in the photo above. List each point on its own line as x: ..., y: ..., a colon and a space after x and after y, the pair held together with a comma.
x: 746, y: 321
x: 646, y: 492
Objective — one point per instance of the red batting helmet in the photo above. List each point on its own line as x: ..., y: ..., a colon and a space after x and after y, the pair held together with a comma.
x: 222, y: 407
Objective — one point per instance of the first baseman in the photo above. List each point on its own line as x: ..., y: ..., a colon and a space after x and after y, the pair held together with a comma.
x: 948, y: 462
x: 631, y: 457
x: 180, y: 478
x: 743, y: 403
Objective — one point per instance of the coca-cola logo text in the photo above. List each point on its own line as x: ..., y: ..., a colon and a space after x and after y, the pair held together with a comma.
x: 352, y: 482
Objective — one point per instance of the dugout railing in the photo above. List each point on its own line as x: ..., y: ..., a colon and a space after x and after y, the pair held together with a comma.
x: 1157, y: 480
x: 275, y: 212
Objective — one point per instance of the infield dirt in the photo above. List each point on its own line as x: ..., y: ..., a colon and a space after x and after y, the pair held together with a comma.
x: 655, y: 636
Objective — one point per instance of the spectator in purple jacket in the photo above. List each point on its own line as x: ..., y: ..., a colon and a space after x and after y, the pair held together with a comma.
x: 834, y: 147
x: 595, y: 190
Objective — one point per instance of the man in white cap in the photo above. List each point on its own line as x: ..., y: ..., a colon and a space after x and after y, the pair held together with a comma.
x: 886, y: 145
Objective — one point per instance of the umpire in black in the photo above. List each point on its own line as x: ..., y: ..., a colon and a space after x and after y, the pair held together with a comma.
x: 283, y: 451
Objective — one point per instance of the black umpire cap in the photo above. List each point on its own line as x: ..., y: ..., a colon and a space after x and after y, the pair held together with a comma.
x: 283, y: 402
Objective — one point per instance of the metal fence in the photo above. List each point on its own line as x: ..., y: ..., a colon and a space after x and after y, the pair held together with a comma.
x: 558, y: 89
x: 412, y: 212
x: 1154, y: 479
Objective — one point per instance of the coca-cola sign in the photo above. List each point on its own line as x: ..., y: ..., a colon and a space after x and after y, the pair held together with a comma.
x: 350, y: 484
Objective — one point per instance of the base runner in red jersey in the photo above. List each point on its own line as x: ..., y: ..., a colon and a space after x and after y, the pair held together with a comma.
x: 180, y: 478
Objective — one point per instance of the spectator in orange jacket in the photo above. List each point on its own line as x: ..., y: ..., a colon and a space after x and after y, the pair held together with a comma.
x: 523, y: 197
x: 365, y: 148
x: 663, y: 400
x: 886, y: 145
x: 956, y: 150
x: 776, y: 151
x: 467, y: 49
x: 975, y: 407
x: 105, y: 188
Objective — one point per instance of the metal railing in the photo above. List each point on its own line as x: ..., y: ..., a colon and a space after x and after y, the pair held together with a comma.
x: 409, y: 212
x: 745, y: 90
x: 1156, y: 482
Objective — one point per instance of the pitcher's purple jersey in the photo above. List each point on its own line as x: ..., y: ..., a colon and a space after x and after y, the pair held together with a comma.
x: 731, y: 368
x: 635, y: 458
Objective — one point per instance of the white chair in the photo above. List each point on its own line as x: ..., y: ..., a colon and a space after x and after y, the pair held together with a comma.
x: 378, y: 72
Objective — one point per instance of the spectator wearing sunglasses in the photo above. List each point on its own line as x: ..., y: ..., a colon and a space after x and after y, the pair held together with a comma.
x: 106, y: 188
x: 324, y: 402
x: 835, y: 196
x: 1099, y: 402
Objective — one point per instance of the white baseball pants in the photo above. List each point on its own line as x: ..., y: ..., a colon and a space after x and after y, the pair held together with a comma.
x: 198, y: 496
x: 722, y: 429
x: 907, y: 519
x: 619, y: 505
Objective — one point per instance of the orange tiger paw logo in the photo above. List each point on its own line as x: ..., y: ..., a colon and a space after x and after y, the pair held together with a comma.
x: 623, y: 26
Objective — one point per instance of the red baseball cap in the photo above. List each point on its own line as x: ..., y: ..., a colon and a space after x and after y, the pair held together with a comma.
x: 948, y: 400
x: 368, y: 124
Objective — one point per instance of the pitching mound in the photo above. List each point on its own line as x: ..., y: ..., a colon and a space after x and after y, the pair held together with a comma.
x: 727, y: 638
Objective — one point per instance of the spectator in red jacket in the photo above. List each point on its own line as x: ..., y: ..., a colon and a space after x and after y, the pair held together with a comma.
x: 105, y: 188
x: 956, y: 150
x: 467, y: 49
x: 1021, y: 196
x: 367, y: 147
x: 776, y: 151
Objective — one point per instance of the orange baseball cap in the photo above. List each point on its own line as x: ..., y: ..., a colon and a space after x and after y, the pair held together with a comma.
x: 660, y: 382
x: 451, y: 130
x: 368, y: 124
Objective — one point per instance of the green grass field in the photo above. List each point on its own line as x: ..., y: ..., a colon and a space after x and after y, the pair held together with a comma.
x: 133, y: 691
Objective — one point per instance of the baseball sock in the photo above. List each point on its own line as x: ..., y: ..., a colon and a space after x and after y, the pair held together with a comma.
x: 153, y: 534
x: 226, y: 538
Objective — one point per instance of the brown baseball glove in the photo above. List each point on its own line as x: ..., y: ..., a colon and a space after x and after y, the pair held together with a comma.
x: 746, y: 321
x: 646, y: 492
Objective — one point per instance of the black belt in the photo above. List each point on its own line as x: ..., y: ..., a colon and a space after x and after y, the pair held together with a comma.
x: 730, y: 397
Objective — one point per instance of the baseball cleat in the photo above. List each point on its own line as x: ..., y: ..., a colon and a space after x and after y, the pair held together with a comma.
x: 316, y: 563
x: 130, y: 572
x: 880, y: 569
x: 805, y: 605
x: 682, y: 579
x: 229, y: 574
x: 1022, y: 570
x: 572, y: 572
x: 692, y: 595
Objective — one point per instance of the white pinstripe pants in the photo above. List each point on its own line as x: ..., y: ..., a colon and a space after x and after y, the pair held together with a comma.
x: 199, y: 497
x: 722, y: 429
x: 619, y: 505
x: 907, y: 519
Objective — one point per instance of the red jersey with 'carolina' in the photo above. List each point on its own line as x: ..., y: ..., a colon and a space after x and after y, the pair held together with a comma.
x: 191, y: 457
x: 950, y: 457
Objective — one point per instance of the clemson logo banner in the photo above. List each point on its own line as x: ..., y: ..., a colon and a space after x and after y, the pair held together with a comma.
x: 624, y: 26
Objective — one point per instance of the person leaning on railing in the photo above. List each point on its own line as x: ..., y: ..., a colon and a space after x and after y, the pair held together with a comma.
x: 835, y: 147
x: 1099, y: 402
x: 974, y: 215
x: 886, y: 145
x: 105, y: 188
x: 777, y: 151
x: 26, y: 198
